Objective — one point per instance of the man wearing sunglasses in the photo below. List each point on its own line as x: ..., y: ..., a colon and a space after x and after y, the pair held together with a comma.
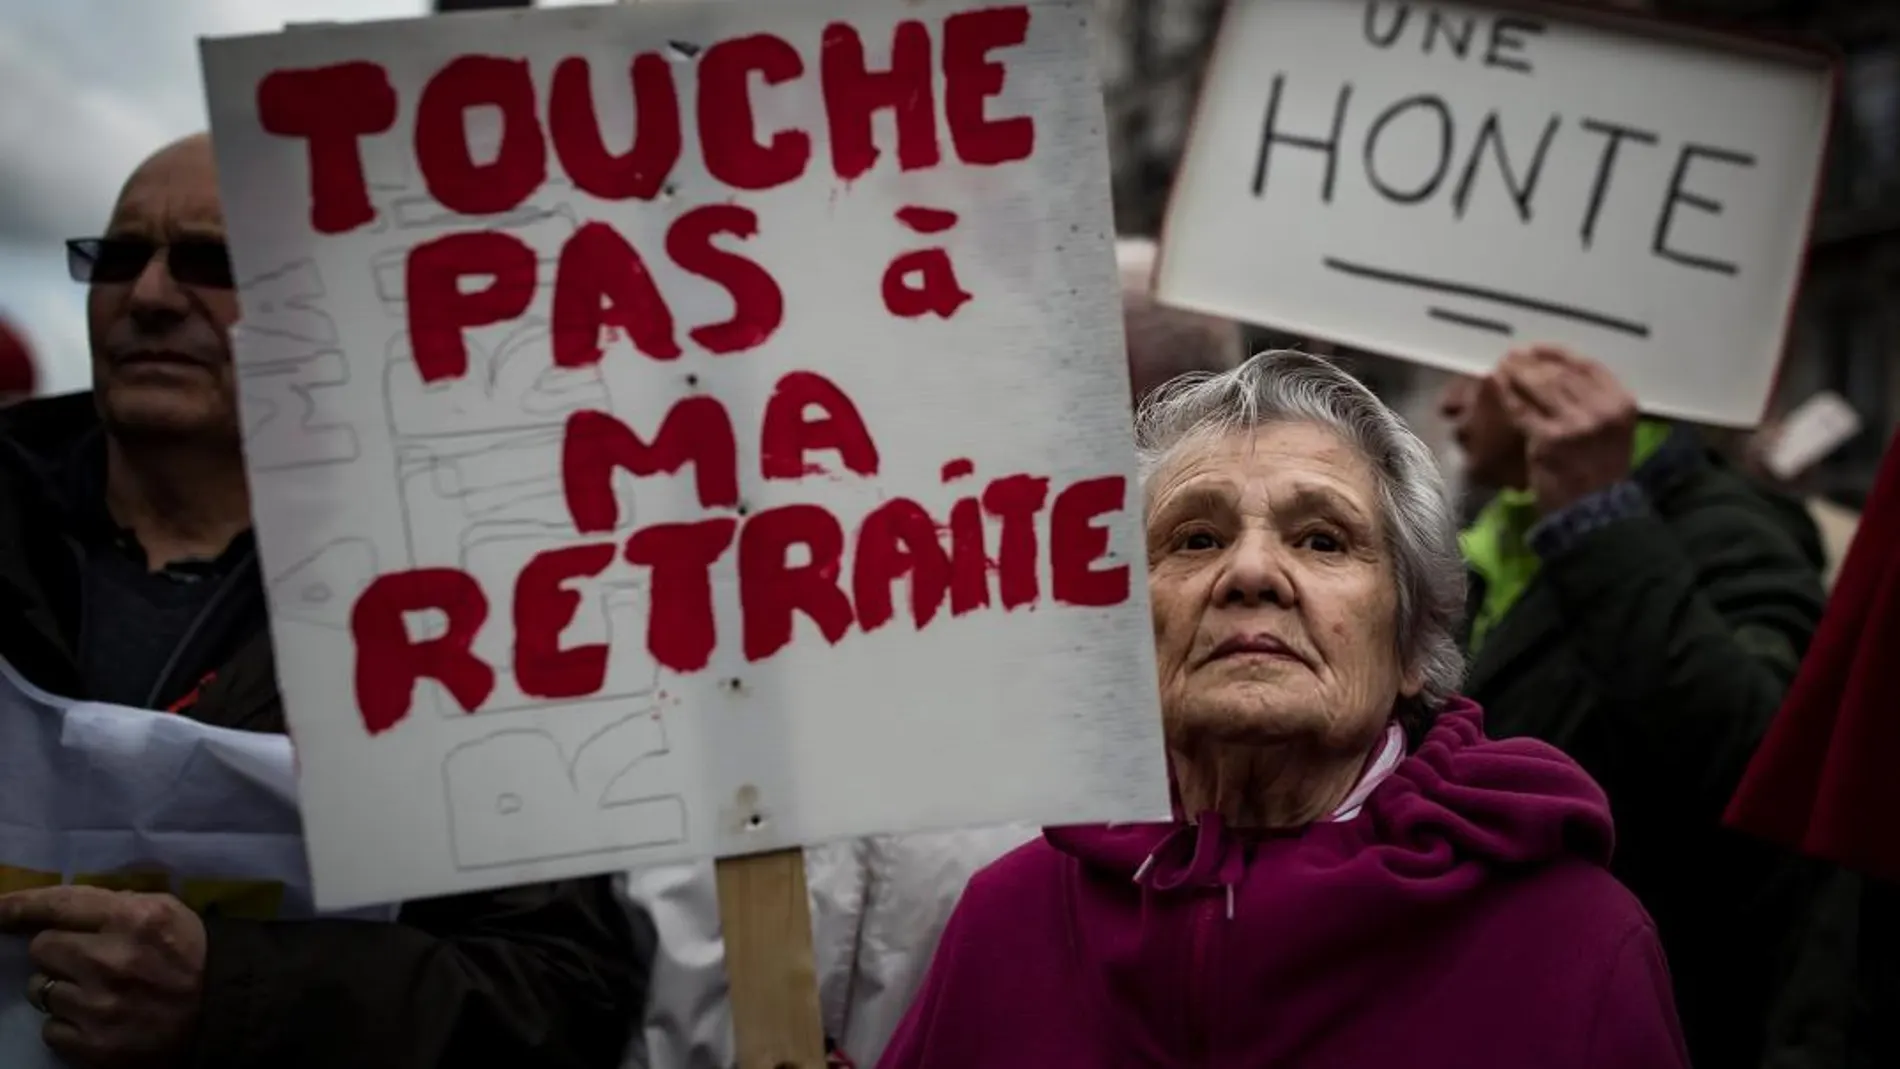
x: 128, y: 575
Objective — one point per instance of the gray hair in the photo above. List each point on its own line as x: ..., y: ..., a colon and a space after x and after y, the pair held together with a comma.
x: 1286, y: 386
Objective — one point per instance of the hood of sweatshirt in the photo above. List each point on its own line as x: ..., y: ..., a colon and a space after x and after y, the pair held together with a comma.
x: 1459, y: 799
x: 1172, y: 916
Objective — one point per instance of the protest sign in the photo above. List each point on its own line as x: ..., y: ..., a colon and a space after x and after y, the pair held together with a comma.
x: 685, y: 430
x: 135, y: 800
x: 1439, y: 182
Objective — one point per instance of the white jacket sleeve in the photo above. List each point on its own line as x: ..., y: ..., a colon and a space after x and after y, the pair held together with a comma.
x: 915, y: 883
x: 878, y: 907
x: 687, y: 1025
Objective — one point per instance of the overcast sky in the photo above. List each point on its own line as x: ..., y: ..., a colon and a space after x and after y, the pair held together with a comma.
x: 87, y: 89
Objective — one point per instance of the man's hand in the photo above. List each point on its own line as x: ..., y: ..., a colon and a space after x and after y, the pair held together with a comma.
x: 126, y: 973
x: 1578, y: 422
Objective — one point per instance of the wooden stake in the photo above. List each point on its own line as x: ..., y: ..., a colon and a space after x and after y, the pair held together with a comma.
x: 771, y: 981
x: 766, y: 919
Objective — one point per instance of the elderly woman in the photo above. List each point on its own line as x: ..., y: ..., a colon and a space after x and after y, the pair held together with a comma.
x: 1359, y: 879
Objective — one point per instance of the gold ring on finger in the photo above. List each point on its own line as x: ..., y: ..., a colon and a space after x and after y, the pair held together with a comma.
x: 39, y: 995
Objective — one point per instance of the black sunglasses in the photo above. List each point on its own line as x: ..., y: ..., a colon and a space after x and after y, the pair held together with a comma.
x: 192, y: 261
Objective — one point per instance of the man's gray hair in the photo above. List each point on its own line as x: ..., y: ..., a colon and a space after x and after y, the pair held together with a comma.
x: 1286, y: 386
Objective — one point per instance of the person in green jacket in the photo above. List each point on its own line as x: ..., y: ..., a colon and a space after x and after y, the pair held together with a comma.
x: 1642, y: 606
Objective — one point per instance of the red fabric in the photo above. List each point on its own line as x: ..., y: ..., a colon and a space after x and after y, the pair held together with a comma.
x: 18, y: 375
x: 190, y: 700
x: 1827, y: 778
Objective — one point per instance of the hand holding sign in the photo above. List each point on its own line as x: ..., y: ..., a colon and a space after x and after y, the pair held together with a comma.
x: 1578, y: 423
x: 120, y: 973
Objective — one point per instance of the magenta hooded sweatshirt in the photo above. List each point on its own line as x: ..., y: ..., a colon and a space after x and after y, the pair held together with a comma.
x: 1462, y: 920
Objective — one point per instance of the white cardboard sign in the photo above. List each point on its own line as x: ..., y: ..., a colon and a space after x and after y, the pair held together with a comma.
x: 686, y: 430
x: 1441, y: 181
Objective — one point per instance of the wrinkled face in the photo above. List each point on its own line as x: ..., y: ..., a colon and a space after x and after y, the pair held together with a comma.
x: 161, y: 356
x: 1493, y: 449
x: 1274, y: 597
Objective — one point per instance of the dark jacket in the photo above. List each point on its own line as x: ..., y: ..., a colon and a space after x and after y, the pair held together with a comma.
x: 1654, y: 646
x: 1874, y: 1035
x: 547, y: 975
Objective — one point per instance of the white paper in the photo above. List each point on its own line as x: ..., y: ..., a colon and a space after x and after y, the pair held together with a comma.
x: 1046, y: 712
x: 95, y: 790
x: 1431, y: 249
x: 1816, y: 427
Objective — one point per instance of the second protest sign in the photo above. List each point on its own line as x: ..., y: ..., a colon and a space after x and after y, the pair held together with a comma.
x: 1441, y: 181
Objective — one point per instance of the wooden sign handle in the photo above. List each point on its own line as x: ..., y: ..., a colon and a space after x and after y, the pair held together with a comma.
x: 771, y: 981
x: 766, y: 919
